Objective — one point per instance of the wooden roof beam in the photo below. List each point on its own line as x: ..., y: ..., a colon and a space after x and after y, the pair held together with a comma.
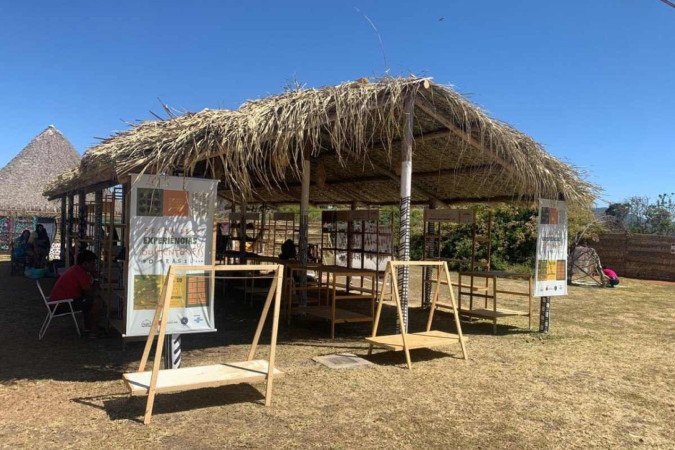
x: 429, y: 109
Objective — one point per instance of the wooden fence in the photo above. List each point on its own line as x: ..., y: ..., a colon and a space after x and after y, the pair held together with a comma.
x: 643, y: 256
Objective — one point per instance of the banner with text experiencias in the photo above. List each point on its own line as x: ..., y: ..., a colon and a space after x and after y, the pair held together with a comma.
x: 171, y: 222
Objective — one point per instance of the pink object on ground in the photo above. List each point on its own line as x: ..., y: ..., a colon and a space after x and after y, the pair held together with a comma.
x: 610, y: 273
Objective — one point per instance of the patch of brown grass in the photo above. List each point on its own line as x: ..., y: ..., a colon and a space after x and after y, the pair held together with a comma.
x: 603, y: 377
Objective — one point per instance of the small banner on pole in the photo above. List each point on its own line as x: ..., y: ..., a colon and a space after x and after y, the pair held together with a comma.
x: 551, y: 266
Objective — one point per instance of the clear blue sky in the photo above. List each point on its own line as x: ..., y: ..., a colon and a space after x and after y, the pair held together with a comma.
x: 594, y: 81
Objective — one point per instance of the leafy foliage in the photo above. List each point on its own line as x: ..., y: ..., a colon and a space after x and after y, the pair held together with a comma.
x: 639, y: 215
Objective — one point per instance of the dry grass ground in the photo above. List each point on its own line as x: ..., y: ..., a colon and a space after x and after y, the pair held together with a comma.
x: 604, y: 377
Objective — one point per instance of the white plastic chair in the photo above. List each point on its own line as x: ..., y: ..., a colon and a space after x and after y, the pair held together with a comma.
x: 51, y: 312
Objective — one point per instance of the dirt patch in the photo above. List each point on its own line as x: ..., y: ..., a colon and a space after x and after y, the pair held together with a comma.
x: 603, y: 377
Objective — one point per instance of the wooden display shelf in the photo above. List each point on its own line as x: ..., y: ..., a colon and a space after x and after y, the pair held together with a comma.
x: 490, y: 294
x: 423, y: 339
x: 341, y: 315
x: 175, y: 380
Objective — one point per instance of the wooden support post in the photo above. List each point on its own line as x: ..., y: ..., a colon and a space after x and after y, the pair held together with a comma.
x: 81, y: 221
x: 304, y: 229
x: 69, y: 229
x: 402, y: 320
x: 260, y: 243
x: 261, y: 323
x: 350, y: 246
x: 406, y: 191
x: 98, y: 228
x: 162, y: 317
x: 242, y: 231
x: 428, y: 270
x: 454, y: 309
x: 275, y: 330
x: 63, y: 228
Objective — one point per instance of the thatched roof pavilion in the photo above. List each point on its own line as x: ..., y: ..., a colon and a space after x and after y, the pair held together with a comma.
x: 393, y: 141
x: 351, y: 134
x: 25, y: 177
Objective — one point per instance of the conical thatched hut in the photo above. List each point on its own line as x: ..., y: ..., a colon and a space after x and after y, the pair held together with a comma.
x: 24, y: 178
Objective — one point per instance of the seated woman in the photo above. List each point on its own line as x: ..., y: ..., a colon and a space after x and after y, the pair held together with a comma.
x: 41, y: 246
x: 78, y: 283
x: 20, y: 246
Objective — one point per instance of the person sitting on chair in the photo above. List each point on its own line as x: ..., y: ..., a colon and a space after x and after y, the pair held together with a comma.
x: 288, y: 250
x: 611, y: 275
x: 20, y: 245
x: 41, y: 245
x: 78, y: 283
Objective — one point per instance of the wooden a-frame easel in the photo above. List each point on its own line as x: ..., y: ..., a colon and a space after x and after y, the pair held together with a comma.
x: 425, y: 339
x: 157, y: 381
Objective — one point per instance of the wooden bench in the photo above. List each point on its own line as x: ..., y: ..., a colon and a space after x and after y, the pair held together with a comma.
x: 176, y: 380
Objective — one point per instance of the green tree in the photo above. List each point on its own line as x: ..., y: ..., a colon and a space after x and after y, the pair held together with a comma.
x: 616, y: 215
x: 652, y: 218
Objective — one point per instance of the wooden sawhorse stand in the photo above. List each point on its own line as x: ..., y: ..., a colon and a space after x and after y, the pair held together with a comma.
x: 158, y: 381
x: 425, y: 339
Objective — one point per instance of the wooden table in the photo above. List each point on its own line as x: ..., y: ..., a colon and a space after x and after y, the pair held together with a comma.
x: 340, y: 286
x: 483, y: 286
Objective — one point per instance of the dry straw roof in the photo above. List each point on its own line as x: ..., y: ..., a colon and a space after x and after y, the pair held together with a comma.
x: 352, y: 135
x: 24, y: 178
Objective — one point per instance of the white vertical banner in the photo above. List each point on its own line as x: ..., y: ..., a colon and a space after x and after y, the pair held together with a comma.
x: 551, y: 267
x: 171, y: 222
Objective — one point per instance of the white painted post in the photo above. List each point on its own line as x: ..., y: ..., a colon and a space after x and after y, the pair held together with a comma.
x: 406, y: 192
x: 172, y: 352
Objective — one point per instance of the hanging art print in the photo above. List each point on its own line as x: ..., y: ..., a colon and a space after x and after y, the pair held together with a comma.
x: 551, y: 266
x: 171, y: 220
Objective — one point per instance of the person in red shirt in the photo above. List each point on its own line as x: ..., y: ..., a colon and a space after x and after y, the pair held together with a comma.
x: 78, y: 283
x: 613, y: 277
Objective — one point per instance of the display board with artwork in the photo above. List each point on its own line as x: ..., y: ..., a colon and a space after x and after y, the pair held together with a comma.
x: 171, y: 222
x: 551, y: 266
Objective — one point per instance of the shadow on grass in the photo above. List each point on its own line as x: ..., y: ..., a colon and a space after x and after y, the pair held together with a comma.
x: 124, y: 407
x: 385, y: 357
x: 62, y: 356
